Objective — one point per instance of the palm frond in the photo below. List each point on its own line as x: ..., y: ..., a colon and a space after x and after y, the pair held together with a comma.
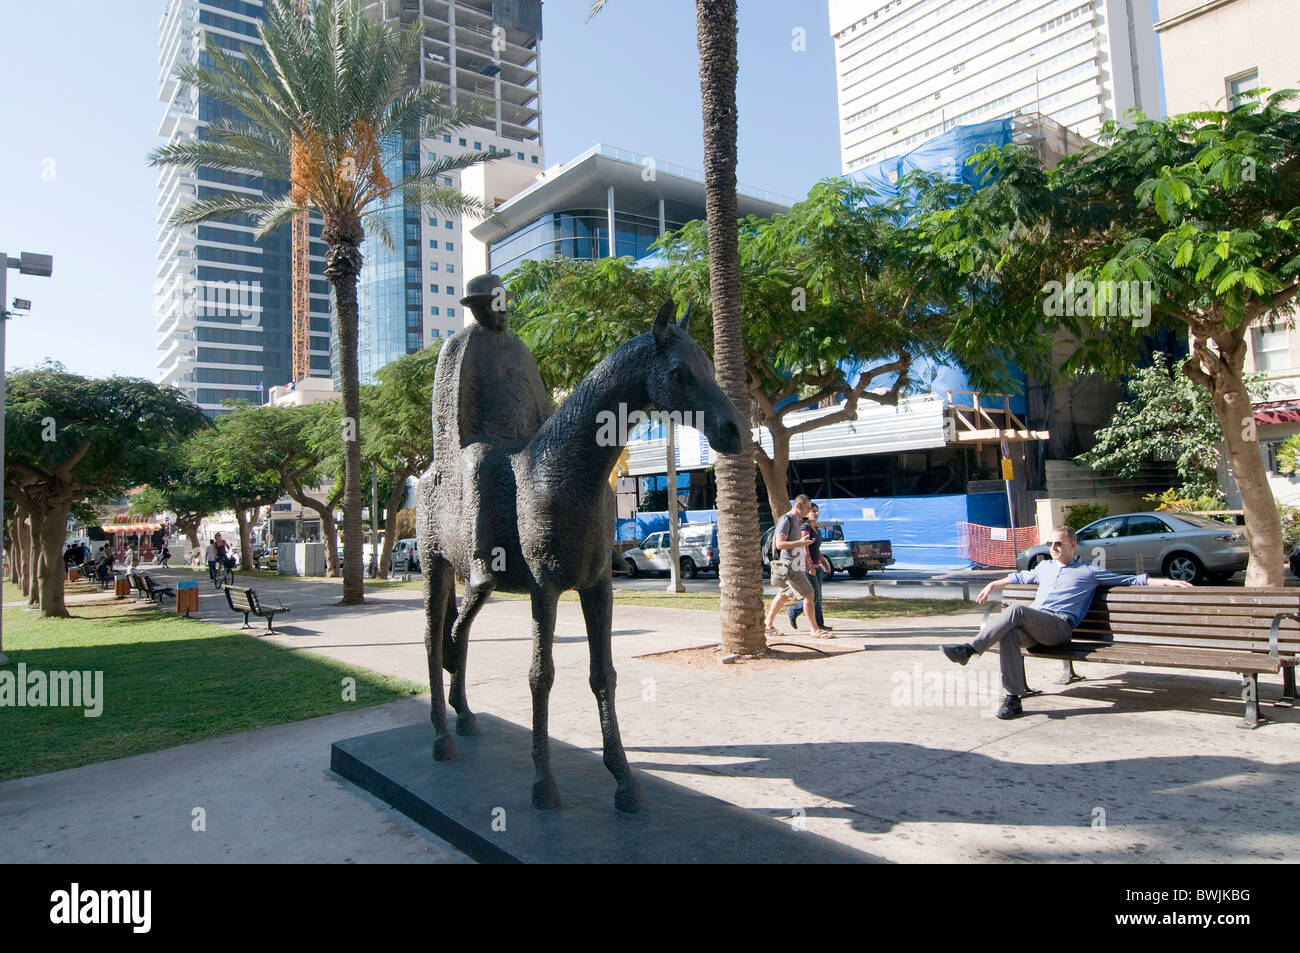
x: 196, y: 153
x: 444, y: 199
x: 223, y: 206
x: 376, y: 226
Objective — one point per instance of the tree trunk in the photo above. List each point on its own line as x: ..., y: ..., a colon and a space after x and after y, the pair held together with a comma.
x: 18, y: 558
x: 390, y: 522
x: 245, y: 542
x: 328, y: 529
x: 191, y: 530
x: 35, y: 562
x: 1263, y: 526
x: 774, y: 471
x: 740, y: 574
x: 53, y: 533
x: 342, y: 265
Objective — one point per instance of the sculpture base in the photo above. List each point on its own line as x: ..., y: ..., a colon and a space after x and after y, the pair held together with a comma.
x: 480, y: 803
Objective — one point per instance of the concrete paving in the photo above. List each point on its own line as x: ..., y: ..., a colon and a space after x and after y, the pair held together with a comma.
x: 890, y: 751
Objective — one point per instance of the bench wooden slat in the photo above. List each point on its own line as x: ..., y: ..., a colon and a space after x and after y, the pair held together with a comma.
x: 1119, y: 655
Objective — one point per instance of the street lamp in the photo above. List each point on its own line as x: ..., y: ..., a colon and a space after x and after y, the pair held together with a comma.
x: 27, y: 263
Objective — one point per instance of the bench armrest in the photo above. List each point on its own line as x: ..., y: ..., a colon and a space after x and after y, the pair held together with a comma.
x: 1273, y: 630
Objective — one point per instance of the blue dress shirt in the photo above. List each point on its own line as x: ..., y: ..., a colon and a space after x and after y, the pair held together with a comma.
x: 1068, y: 590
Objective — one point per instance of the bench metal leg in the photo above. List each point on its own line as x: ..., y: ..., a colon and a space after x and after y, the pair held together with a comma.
x: 1068, y: 673
x: 1288, y: 698
x: 269, y: 619
x: 1250, y: 695
x: 245, y: 625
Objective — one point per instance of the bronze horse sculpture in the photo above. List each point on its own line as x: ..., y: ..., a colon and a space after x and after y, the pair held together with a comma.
x: 553, y: 528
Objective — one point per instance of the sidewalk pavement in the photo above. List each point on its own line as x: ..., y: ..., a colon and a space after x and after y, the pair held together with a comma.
x: 892, y: 751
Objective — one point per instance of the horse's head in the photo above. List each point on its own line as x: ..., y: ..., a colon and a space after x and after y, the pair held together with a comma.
x: 680, y: 382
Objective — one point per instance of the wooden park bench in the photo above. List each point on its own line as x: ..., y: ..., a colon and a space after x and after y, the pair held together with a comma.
x: 247, y: 602
x: 145, y: 585
x: 1211, y: 628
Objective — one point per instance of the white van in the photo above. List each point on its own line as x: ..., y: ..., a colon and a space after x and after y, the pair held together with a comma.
x: 406, y: 556
x: 697, y: 551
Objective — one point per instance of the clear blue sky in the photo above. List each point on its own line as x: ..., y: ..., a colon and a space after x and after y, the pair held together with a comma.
x: 80, y: 114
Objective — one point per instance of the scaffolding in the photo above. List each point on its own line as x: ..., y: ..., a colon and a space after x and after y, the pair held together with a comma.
x: 300, y: 281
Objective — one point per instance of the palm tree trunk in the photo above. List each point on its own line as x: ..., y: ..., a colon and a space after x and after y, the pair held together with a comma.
x: 342, y: 266
x: 739, y: 573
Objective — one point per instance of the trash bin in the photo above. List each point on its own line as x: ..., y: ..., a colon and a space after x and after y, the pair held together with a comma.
x: 187, y: 596
x: 74, y: 575
x: 121, y: 586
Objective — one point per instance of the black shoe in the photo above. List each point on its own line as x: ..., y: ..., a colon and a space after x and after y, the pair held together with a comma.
x: 961, y: 654
x: 827, y: 628
x: 1011, y: 708
x: 794, y: 621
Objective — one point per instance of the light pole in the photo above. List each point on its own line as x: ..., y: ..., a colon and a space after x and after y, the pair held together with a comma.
x: 27, y: 263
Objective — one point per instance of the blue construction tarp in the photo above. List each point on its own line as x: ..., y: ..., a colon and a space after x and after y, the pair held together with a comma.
x: 944, y: 155
x: 922, y: 530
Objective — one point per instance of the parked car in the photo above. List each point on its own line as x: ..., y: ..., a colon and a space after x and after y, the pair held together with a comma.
x: 406, y: 556
x: 265, y: 558
x: 697, y: 551
x: 1177, y: 545
x: 855, y: 557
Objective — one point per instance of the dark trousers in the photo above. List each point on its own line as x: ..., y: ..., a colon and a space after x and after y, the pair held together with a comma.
x: 797, y: 608
x: 1017, y: 627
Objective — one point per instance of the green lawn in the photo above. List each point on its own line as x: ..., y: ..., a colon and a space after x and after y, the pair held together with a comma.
x: 167, y: 680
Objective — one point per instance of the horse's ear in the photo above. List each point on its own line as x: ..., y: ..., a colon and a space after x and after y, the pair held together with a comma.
x: 685, y: 322
x: 666, y: 312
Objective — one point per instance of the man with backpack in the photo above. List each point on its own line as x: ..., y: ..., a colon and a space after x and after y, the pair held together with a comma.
x: 789, y: 559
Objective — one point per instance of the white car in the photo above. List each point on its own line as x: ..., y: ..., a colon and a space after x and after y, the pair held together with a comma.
x: 406, y: 556
x: 697, y: 551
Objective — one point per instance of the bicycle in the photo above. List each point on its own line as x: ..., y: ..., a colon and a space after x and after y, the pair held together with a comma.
x: 225, y: 575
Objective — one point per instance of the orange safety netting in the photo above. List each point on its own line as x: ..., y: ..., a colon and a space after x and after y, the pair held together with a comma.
x: 993, y: 545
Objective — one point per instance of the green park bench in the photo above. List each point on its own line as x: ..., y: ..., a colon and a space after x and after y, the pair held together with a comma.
x: 247, y: 602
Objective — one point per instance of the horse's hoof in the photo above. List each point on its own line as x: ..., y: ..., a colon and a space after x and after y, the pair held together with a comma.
x: 467, y: 724
x: 628, y: 799
x: 546, y: 796
x: 444, y: 748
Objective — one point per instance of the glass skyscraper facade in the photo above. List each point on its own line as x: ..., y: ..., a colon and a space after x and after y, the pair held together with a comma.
x: 223, y: 296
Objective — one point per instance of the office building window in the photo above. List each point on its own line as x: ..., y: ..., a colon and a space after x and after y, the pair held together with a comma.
x: 451, y: 312
x: 433, y: 244
x: 534, y: 160
x: 1272, y: 348
x: 448, y: 224
x: 478, y: 147
x: 433, y: 332
x: 1238, y: 85
x: 433, y: 266
x: 451, y: 269
x: 521, y: 157
x: 433, y: 223
x: 451, y: 289
x: 433, y: 311
x: 451, y: 246
x: 446, y: 138
x: 446, y: 180
x: 462, y: 142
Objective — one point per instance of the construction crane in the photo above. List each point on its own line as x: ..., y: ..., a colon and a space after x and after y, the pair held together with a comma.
x: 300, y: 282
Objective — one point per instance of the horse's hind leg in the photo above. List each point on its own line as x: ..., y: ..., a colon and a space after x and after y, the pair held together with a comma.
x: 439, y: 600
x: 456, y: 650
x: 598, y: 611
x: 540, y: 678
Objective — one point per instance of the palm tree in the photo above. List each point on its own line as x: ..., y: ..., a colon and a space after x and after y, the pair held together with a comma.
x: 318, y: 103
x: 739, y: 574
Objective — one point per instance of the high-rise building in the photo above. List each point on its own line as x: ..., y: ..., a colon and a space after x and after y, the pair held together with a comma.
x: 1213, y: 51
x: 222, y: 296
x: 477, y: 52
x: 907, y: 70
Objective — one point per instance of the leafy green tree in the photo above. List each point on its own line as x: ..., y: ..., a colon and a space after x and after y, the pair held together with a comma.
x: 69, y: 438
x: 1188, y: 222
x: 1167, y: 417
x: 317, y: 104
x: 400, y: 429
x: 842, y: 296
x: 289, y: 447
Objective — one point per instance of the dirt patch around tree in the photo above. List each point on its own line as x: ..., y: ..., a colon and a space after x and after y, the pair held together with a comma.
x: 780, y: 653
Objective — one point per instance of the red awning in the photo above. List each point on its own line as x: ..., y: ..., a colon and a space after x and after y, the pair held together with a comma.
x: 1277, y: 412
x: 132, y: 527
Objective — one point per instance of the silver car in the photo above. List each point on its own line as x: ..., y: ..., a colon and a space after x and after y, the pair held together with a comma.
x: 1178, y: 545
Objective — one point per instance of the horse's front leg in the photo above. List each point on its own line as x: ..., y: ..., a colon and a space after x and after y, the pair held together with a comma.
x: 540, y: 678
x: 439, y: 600
x: 598, y: 611
x: 456, y: 651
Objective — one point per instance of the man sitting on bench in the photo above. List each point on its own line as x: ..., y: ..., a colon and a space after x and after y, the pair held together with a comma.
x: 1065, y: 589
